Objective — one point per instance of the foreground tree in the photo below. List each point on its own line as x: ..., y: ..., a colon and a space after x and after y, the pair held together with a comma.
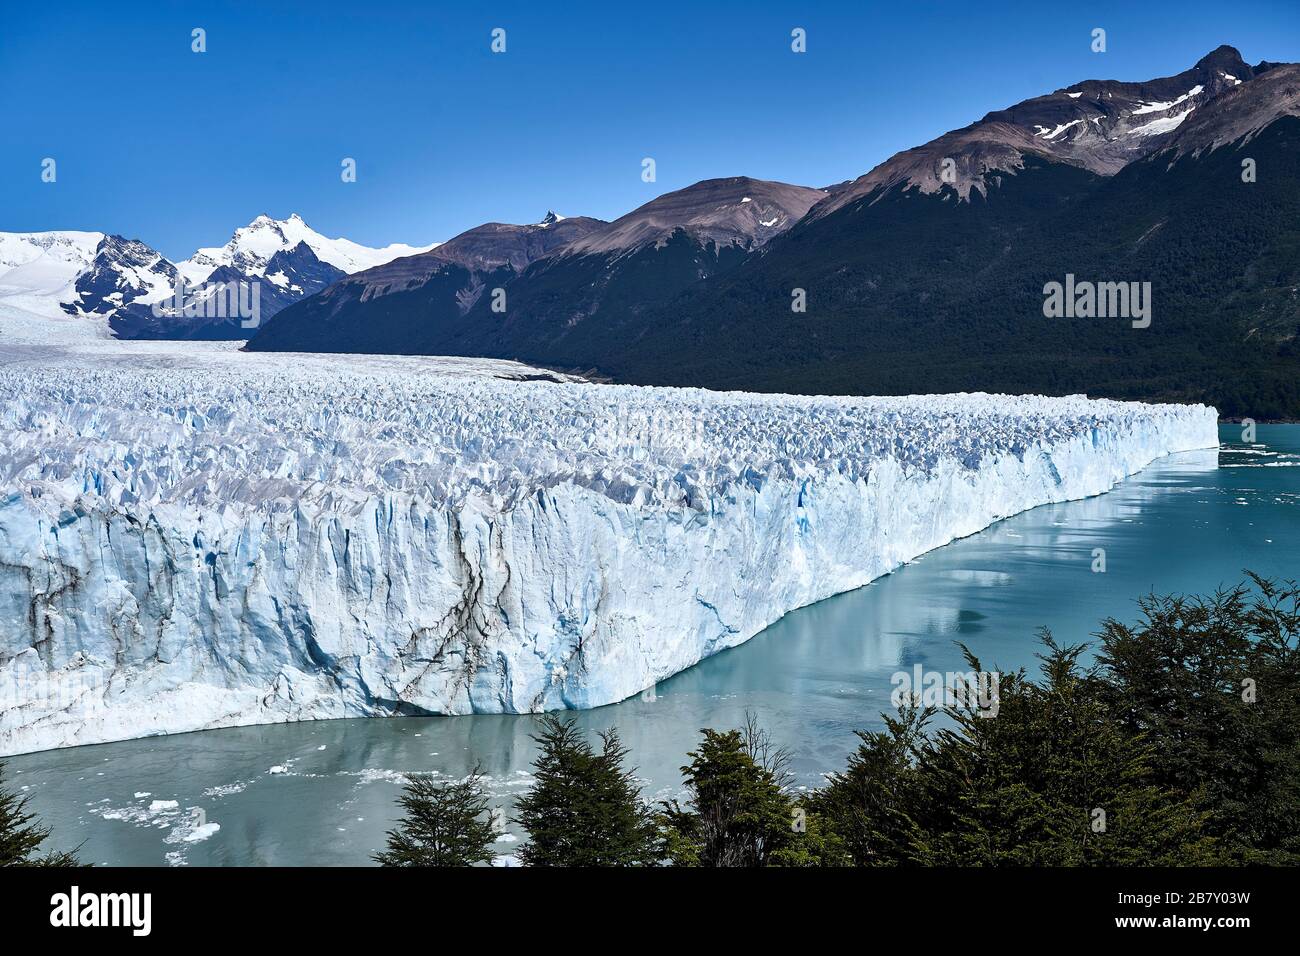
x: 21, y: 837
x: 871, y: 803
x: 585, y: 809
x: 1213, y: 685
x: 1049, y: 778
x: 444, y: 825
x: 740, y: 813
x: 1053, y: 779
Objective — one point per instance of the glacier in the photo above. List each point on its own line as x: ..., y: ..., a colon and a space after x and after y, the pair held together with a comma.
x: 195, y: 537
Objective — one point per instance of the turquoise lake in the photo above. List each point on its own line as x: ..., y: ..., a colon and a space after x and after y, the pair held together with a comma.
x: 323, y: 793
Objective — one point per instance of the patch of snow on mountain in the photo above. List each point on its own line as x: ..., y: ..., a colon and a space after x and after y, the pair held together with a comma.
x: 1162, y: 125
x: 1161, y: 107
x: 1058, y: 131
x: 192, y: 536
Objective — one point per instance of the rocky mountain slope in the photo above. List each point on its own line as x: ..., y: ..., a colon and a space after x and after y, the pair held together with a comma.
x: 585, y: 268
x: 1097, y: 125
x: 401, y: 307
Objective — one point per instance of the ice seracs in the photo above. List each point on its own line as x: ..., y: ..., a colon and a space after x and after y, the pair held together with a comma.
x: 192, y: 536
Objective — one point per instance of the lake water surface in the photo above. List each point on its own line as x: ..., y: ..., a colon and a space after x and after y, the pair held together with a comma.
x: 1188, y: 523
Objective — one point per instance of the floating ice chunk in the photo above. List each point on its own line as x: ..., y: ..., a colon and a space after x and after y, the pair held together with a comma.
x: 201, y: 832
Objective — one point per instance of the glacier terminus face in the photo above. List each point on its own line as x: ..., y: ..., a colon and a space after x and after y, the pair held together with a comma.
x: 196, y: 537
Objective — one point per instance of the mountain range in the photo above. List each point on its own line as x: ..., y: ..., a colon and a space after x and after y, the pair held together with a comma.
x: 925, y: 274
x: 555, y: 273
x: 98, y: 275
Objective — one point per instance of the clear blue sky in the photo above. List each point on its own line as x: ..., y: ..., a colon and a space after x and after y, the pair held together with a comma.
x: 177, y: 148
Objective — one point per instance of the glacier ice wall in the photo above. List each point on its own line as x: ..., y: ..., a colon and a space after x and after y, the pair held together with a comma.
x: 217, y: 539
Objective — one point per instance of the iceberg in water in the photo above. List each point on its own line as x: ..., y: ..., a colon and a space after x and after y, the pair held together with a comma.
x: 195, y: 537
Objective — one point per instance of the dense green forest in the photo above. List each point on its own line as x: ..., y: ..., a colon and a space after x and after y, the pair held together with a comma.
x: 909, y: 293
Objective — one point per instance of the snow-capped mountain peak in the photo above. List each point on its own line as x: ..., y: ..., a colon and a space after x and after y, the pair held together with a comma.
x: 20, y: 248
x: 96, y: 275
x: 253, y: 246
x: 39, y: 271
